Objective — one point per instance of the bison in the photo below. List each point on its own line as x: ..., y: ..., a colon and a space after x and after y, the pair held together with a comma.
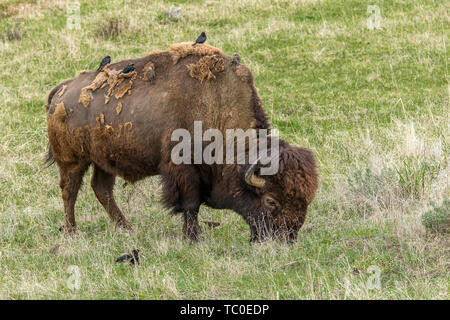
x: 122, y: 125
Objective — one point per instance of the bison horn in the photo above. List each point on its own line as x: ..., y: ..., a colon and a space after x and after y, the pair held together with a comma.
x: 251, y: 178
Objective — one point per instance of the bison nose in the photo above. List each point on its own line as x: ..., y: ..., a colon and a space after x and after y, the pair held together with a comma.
x: 259, y: 234
x: 286, y: 235
x: 261, y: 230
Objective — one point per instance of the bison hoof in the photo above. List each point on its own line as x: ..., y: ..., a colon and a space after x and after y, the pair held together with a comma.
x: 195, y: 237
x: 194, y: 233
x: 68, y: 229
x: 124, y: 225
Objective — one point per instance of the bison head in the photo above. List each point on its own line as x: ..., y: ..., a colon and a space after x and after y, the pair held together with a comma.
x: 275, y: 206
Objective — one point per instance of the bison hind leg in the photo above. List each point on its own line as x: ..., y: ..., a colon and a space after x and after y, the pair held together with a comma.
x: 103, y: 184
x: 71, y: 176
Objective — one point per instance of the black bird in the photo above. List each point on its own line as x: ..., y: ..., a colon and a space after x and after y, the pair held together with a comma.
x: 236, y: 60
x: 126, y: 256
x: 106, y: 60
x: 129, y: 68
x: 135, y: 260
x: 201, y: 39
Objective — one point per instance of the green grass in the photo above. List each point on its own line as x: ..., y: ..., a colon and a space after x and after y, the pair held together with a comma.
x: 373, y: 105
x: 437, y: 219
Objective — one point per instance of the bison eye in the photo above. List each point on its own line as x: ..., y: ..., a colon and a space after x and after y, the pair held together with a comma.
x: 270, y: 202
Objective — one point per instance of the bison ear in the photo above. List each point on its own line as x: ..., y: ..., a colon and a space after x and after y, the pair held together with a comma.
x: 252, y: 179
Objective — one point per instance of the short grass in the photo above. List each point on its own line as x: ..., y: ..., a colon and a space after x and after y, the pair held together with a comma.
x: 372, y: 104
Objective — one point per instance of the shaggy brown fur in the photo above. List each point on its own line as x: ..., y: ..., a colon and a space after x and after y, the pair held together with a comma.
x: 61, y: 92
x: 205, y: 66
x: 130, y: 137
x: 184, y: 49
x: 85, y: 98
x: 119, y: 108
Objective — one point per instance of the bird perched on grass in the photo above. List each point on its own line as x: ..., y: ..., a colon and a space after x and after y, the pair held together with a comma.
x: 201, y: 39
x: 106, y: 60
x: 126, y: 256
x: 135, y: 260
x: 129, y: 68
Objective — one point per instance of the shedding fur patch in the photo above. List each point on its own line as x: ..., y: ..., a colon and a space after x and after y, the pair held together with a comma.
x: 62, y: 90
x: 119, y: 108
x: 123, y: 90
x: 99, y: 80
x: 109, y: 130
x: 106, y: 99
x: 128, y: 125
x: 205, y: 66
x: 114, y: 80
x: 100, y: 120
x: 184, y: 49
x: 60, y: 113
x: 85, y: 98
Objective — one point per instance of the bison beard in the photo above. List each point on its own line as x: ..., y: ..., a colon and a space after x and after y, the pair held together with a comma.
x: 135, y: 142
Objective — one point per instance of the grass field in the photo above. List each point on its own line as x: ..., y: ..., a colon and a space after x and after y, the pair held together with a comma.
x: 373, y: 105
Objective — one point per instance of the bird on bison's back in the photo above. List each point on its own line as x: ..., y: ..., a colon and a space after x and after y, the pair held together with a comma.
x: 129, y: 68
x: 201, y: 39
x: 236, y: 60
x: 106, y: 60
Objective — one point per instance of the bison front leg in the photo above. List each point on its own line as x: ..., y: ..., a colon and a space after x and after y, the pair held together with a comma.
x: 181, y: 193
x: 103, y: 184
x: 191, y: 228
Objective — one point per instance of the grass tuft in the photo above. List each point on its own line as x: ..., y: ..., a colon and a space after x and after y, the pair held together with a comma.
x: 438, y: 219
x: 112, y: 28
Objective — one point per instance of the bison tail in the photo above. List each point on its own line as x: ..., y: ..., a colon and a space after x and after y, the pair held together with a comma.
x: 52, y: 93
x: 49, y: 160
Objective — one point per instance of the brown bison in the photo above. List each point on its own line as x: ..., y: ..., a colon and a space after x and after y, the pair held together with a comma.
x: 123, y: 123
